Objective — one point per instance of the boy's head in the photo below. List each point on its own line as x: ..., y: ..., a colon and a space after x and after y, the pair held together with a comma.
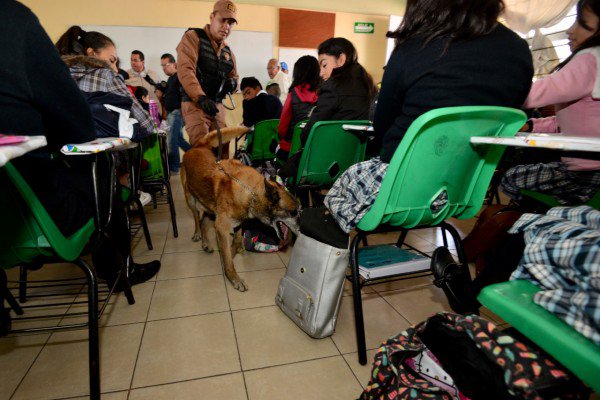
x: 141, y: 94
x: 250, y: 87
x: 274, y: 89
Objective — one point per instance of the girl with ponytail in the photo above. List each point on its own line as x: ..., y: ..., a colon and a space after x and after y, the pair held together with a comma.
x: 92, y: 61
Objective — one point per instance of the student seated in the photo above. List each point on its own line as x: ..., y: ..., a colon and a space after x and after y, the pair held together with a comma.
x: 44, y: 100
x: 91, y: 58
x: 345, y: 94
x: 574, y: 89
x: 300, y: 101
x: 273, y: 89
x: 258, y: 105
x: 435, y: 65
x: 347, y: 90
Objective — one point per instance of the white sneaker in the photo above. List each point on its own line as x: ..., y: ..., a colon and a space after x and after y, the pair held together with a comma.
x: 145, y: 198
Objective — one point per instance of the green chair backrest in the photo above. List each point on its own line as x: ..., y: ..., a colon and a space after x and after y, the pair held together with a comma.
x: 296, y: 144
x: 435, y: 156
x: 260, y: 142
x: 151, y: 153
x: 329, y: 151
x: 27, y: 229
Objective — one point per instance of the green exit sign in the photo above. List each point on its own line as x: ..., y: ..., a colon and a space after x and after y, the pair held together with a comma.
x: 364, y: 27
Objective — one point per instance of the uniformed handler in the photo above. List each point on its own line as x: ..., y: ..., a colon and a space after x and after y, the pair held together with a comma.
x: 205, y: 62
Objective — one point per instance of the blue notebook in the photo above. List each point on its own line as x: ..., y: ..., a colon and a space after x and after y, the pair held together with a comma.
x: 380, y: 261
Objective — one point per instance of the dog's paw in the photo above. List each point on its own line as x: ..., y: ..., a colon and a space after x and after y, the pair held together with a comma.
x: 240, y: 285
x: 207, y: 247
x: 196, y: 237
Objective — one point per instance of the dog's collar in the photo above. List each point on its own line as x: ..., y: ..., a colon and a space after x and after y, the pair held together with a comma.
x: 242, y: 184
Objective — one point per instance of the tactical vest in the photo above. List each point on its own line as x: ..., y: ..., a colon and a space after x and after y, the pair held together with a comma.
x: 212, y: 70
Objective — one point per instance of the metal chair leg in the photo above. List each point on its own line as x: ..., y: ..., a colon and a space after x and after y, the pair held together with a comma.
x: 444, y: 235
x: 167, y: 184
x: 22, y: 284
x: 402, y: 238
x: 94, y: 340
x: 140, y: 208
x: 10, y: 299
x: 356, y: 295
x: 457, y: 242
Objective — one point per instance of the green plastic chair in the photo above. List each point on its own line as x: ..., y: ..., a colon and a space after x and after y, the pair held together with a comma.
x: 155, y: 178
x: 551, y: 201
x: 260, y: 141
x: 296, y: 144
x: 330, y: 150
x: 513, y: 302
x: 31, y: 235
x: 435, y: 156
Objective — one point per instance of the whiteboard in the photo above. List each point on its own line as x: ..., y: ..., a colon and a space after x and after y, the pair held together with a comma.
x: 290, y: 55
x: 252, y: 50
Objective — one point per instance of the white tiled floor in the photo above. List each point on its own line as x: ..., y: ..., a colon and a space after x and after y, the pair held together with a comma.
x: 190, y: 335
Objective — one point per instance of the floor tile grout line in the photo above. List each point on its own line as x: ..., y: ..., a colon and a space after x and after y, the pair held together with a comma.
x: 30, y: 366
x: 50, y: 334
x: 137, y: 357
x: 237, y: 345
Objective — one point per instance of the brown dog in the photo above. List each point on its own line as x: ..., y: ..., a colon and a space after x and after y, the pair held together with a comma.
x: 233, y: 193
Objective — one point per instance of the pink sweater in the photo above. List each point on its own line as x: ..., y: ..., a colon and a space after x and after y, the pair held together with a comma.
x: 575, y: 90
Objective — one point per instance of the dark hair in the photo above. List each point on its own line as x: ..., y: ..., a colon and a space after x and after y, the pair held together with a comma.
x: 169, y: 56
x: 140, y: 92
x: 250, y: 81
x: 306, y: 70
x: 592, y: 41
x: 456, y: 19
x: 139, y: 53
x: 76, y: 41
x: 273, y: 89
x: 338, y: 46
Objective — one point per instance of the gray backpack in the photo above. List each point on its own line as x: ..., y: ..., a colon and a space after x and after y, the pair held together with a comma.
x: 311, y: 290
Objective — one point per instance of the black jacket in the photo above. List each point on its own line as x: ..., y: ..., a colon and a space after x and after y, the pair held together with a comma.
x: 343, y: 97
x: 495, y: 69
x: 262, y: 107
x: 37, y: 94
x: 39, y: 97
x: 172, y: 94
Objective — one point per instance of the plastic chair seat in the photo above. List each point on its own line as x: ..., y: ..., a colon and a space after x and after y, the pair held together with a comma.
x: 551, y: 201
x: 263, y: 140
x: 513, y: 302
x: 29, y: 231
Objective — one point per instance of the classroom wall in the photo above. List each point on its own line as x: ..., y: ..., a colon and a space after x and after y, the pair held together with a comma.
x: 57, y: 15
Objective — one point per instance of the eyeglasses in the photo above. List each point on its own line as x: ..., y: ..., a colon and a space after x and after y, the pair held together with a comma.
x: 165, y: 65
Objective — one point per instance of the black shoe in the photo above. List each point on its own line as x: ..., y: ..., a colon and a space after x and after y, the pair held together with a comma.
x: 138, y: 273
x: 454, y: 280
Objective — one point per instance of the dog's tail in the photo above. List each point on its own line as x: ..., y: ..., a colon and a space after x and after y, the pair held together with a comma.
x: 227, y: 134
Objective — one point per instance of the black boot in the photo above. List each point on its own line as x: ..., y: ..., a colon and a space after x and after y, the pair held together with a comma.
x: 454, y: 279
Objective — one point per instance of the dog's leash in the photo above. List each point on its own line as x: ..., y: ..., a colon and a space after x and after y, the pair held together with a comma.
x: 242, y: 184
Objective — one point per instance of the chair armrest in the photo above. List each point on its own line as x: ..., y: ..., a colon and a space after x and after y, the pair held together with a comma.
x: 362, y: 132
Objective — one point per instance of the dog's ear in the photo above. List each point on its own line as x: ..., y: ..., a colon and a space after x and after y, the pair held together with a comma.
x: 271, y: 192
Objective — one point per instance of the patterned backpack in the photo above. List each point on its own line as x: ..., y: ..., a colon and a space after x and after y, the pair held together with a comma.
x: 451, y: 356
